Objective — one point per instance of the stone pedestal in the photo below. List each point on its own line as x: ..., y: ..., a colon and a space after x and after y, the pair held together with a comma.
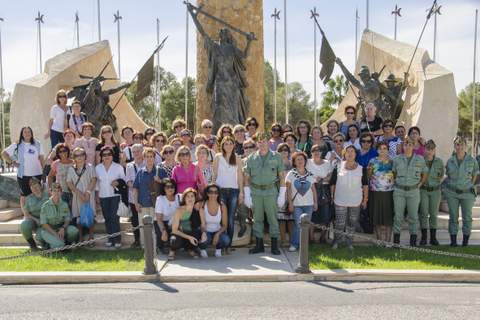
x: 247, y: 15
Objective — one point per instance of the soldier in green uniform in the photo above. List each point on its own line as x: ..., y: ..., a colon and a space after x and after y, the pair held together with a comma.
x: 263, y: 174
x: 410, y: 173
x: 430, y: 195
x: 31, y: 212
x: 462, y: 171
x: 55, y: 220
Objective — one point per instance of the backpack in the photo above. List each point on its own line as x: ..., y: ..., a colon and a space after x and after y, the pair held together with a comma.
x: 83, y: 116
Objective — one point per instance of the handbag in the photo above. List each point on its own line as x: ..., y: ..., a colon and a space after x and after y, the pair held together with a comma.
x: 86, y: 215
x: 123, y: 211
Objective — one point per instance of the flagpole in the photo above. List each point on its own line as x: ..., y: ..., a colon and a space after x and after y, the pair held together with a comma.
x: 39, y: 20
x: 286, y: 64
x: 396, y: 13
x: 98, y: 20
x: 2, y: 89
x: 159, y: 92
x: 77, y: 28
x: 436, y: 11
x: 356, y: 33
x: 275, y: 16
x: 368, y: 15
x: 474, y: 93
x: 186, y: 67
x: 314, y: 14
x: 117, y: 17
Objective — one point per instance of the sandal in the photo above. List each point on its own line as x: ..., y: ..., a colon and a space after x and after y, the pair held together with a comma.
x: 171, y: 256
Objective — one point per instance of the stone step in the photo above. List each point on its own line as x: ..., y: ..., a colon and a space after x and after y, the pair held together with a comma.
x: 13, y: 226
x: 16, y: 239
x: 444, y: 218
x: 10, y: 213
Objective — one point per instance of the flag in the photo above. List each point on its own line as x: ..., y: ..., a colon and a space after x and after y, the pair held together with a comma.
x: 144, y: 80
x: 327, y: 59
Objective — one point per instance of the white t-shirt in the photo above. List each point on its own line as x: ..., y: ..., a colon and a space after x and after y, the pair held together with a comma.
x: 320, y: 170
x: 58, y: 115
x: 166, y: 207
x: 356, y: 144
x: 32, y: 166
x: 301, y: 186
x: 105, y: 179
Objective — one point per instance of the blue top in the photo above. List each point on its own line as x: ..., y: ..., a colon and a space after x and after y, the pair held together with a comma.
x: 364, y: 159
x: 143, y: 184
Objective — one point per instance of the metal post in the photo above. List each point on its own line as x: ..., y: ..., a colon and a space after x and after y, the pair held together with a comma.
x: 303, y: 258
x: 159, y: 92
x: 368, y: 15
x: 436, y: 11
x: 396, y: 13
x: 474, y: 93
x: 98, y: 20
x: 149, y: 250
x: 186, y: 68
x: 314, y: 14
x: 286, y: 65
x: 357, y: 18
x: 275, y: 16
x: 117, y: 17
x: 2, y: 106
x: 77, y: 28
x: 39, y: 20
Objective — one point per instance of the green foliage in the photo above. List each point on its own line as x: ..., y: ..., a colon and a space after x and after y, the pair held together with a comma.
x: 336, y: 90
x: 465, y: 102
x: 7, y: 101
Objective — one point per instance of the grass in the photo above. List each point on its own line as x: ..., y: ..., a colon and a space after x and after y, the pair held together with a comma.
x: 77, y: 260
x: 369, y: 257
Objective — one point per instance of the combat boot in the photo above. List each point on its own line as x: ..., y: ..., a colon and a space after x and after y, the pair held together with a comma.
x: 32, y: 244
x: 396, y: 238
x: 258, y: 246
x: 453, y: 240
x: 413, y: 240
x: 423, y: 241
x: 275, y: 250
x: 465, y: 240
x: 433, y: 237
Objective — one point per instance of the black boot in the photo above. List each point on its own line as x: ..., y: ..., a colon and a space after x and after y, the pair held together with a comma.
x: 423, y: 241
x: 32, y: 244
x: 242, y: 231
x: 258, y: 246
x: 396, y: 238
x: 465, y: 240
x: 413, y: 240
x: 275, y: 250
x: 453, y: 240
x: 433, y: 237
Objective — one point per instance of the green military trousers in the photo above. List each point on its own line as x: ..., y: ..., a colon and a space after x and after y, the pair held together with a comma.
x: 71, y: 235
x: 465, y: 201
x: 27, y: 227
x: 429, y: 205
x: 265, y: 204
x: 410, y: 200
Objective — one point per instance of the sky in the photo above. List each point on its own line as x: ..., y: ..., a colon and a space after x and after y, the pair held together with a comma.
x: 138, y: 33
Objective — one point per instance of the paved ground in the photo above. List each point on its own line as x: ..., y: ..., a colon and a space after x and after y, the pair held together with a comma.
x: 288, y: 300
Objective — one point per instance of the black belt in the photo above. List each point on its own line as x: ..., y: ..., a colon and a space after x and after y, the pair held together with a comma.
x: 406, y: 188
x: 263, y: 186
x: 459, y: 191
x: 430, y: 189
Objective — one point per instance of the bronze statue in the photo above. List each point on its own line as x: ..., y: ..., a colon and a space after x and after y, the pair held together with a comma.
x: 392, y: 92
x: 226, y: 71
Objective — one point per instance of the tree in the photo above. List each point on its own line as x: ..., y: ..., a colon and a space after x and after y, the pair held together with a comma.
x: 336, y: 90
x: 7, y: 101
x: 465, y: 103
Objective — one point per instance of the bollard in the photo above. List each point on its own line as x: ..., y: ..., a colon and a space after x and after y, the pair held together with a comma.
x: 149, y: 250
x: 303, y: 258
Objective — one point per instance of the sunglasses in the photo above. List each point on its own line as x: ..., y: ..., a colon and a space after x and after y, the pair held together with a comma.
x: 169, y: 151
x: 249, y: 147
x: 284, y: 150
x: 108, y: 154
x: 160, y: 140
x: 106, y: 131
x: 366, y: 141
x: 185, y: 134
x: 207, y: 127
x: 212, y: 192
x: 169, y: 186
x: 276, y: 130
x: 252, y: 124
x: 338, y: 141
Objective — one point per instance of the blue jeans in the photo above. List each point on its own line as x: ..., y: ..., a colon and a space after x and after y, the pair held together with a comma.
x: 223, y: 241
x: 56, y: 138
x: 229, y: 197
x: 297, y: 213
x: 112, y: 221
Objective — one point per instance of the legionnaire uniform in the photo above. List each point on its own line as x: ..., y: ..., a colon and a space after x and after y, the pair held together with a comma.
x: 406, y: 194
x: 56, y: 215
x: 460, y: 192
x: 33, y: 205
x: 264, y: 173
x: 430, y: 196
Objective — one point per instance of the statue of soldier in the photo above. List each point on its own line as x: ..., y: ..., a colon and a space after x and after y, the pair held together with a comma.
x: 392, y: 91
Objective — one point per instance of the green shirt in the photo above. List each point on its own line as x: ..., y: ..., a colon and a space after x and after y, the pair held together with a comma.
x: 54, y: 215
x: 408, y: 172
x: 264, y: 171
x: 33, y: 204
x: 460, y: 175
x: 435, y: 172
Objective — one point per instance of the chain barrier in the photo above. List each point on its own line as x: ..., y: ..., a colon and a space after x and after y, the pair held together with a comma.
x: 387, y: 244
x: 68, y: 247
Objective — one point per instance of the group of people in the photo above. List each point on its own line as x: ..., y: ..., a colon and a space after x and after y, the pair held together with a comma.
x: 367, y: 174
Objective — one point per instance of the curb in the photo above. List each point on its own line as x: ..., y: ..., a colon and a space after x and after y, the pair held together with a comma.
x: 74, y: 277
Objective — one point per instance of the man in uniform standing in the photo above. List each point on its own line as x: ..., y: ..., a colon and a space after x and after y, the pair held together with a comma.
x: 31, y: 212
x: 430, y: 195
x: 56, y: 230
x: 462, y: 171
x: 263, y: 174
x: 410, y: 173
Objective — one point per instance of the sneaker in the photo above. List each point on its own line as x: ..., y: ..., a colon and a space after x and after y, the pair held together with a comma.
x: 118, y: 245
x: 108, y: 244
x: 292, y: 249
x: 204, y: 254
x: 218, y: 253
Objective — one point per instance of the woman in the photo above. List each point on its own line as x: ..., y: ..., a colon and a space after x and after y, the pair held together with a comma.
x: 69, y: 141
x: 59, y: 171
x: 333, y: 127
x: 202, y: 154
x: 276, y: 136
x: 388, y: 133
x: 187, y: 141
x: 165, y: 169
x: 317, y: 139
x: 350, y: 113
x: 214, y: 218
x: 76, y: 119
x: 380, y: 204
x: 210, y: 139
x: 107, y: 139
x: 138, y: 138
x: 304, y: 142
x: 349, y: 188
x: 287, y: 128
x: 81, y: 181
x: 302, y: 196
x: 176, y: 143
x: 87, y: 142
x: 185, y: 173
x: 462, y: 172
x: 157, y: 141
x: 147, y: 136
x: 223, y: 131
x: 227, y: 175
x: 414, y: 134
x: 371, y: 122
x: 239, y: 134
x: 353, y: 139
x: 27, y: 156
x: 335, y: 156
x: 291, y: 140
x: 252, y: 126
x: 186, y: 224
x: 177, y: 126
x: 109, y: 176
x: 167, y: 202
x: 322, y: 171
x: 125, y: 146
x: 56, y: 123
x: 367, y: 151
x: 285, y: 218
